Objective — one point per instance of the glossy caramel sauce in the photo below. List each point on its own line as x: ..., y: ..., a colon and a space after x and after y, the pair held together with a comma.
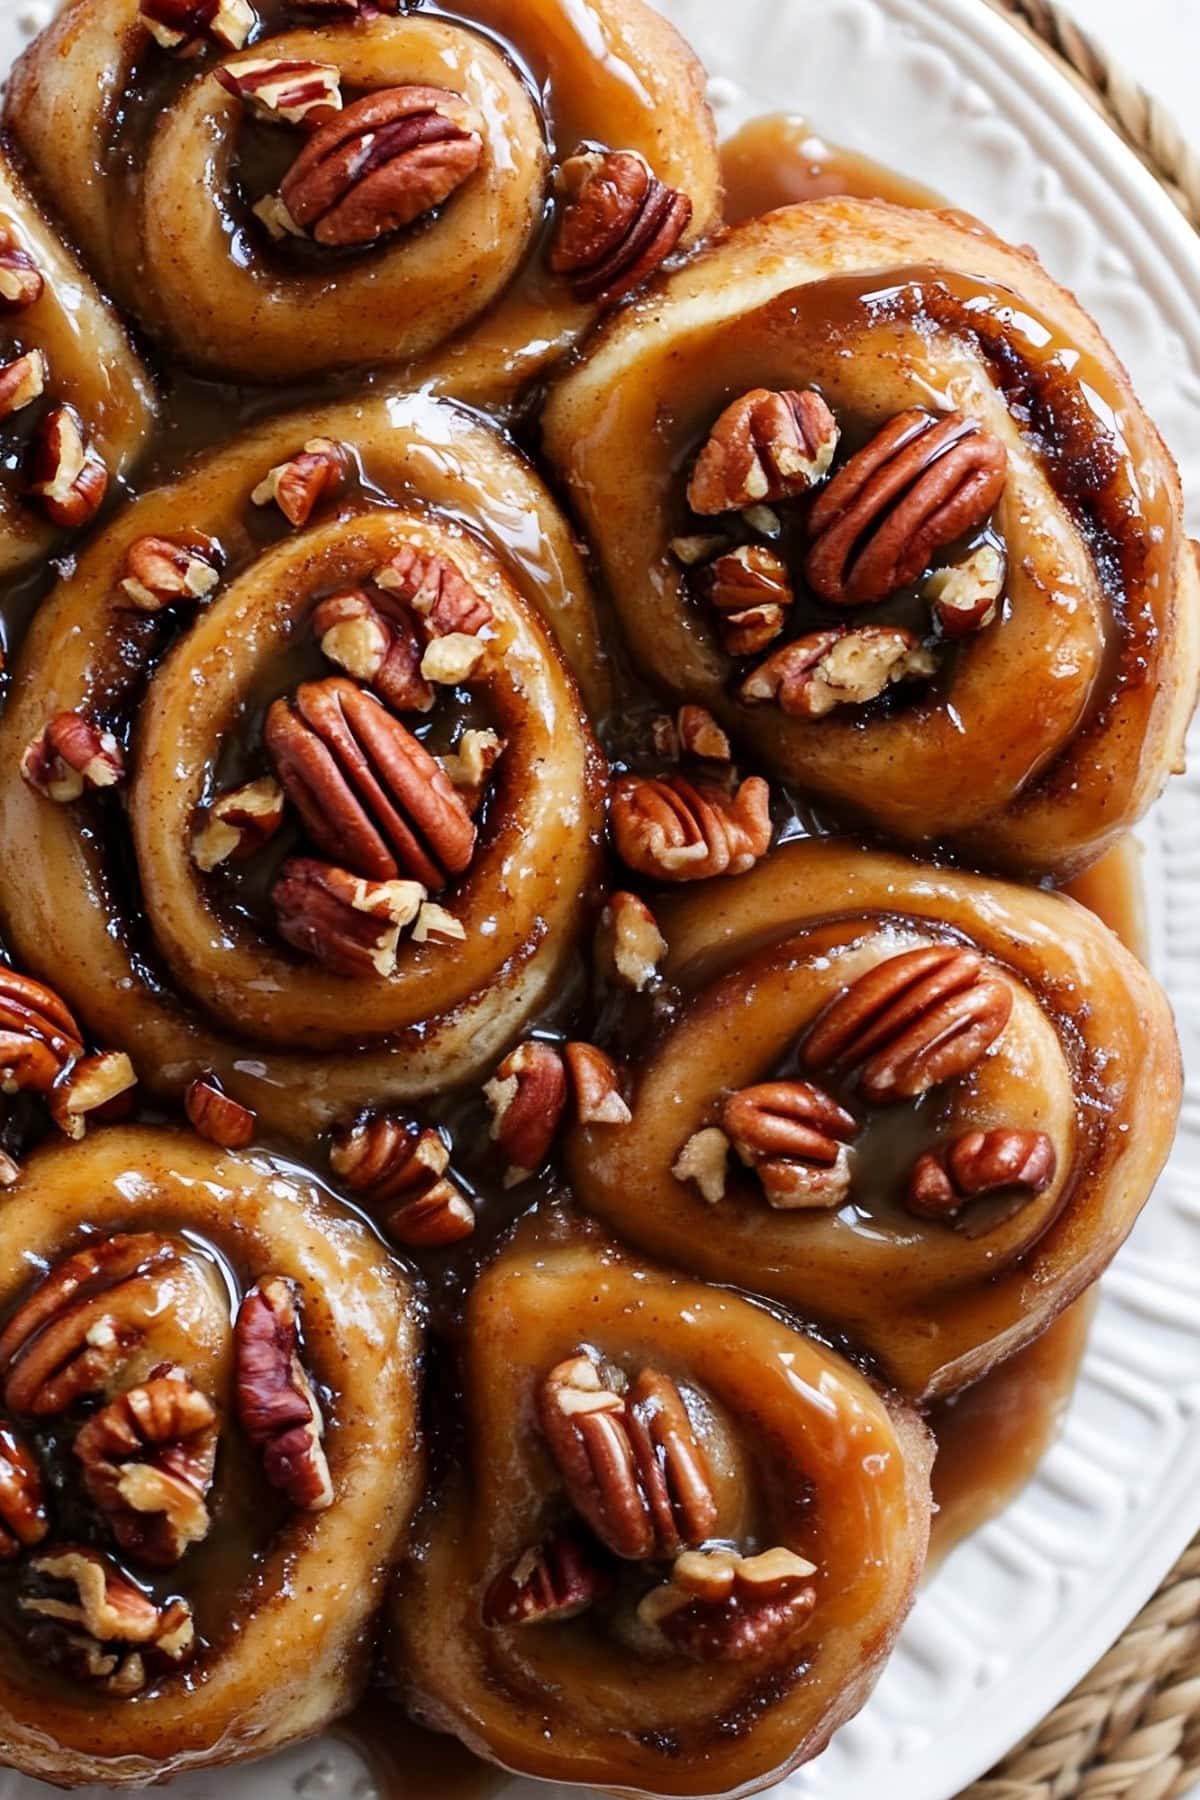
x: 780, y: 159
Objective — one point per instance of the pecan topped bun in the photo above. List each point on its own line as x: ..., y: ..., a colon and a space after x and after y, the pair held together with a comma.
x: 325, y: 681
x: 208, y: 1455
x: 969, y: 619
x: 350, y: 186
x: 684, y: 1540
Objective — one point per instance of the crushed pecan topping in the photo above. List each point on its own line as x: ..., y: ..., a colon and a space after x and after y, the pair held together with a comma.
x: 704, y: 1160
x: 66, y: 476
x: 383, y: 162
x: 548, y: 1583
x: 719, y: 1606
x: 10, y: 1171
x: 629, y: 1458
x: 794, y: 1136
x: 185, y: 26
x: 978, y: 1163
x: 70, y: 756
x: 238, y: 823
x: 291, y: 91
x: 597, y: 1086
x: 96, y: 1090
x: 22, y: 283
x: 912, y: 1022
x: 470, y: 765
x: 700, y: 736
x: 297, y: 487
x: 671, y: 829
x: 22, y: 381
x: 147, y: 1460
x: 918, y: 485
x: 765, y: 447
x: 811, y: 676
x: 437, y: 591
x: 350, y: 925
x: 160, y: 572
x: 752, y: 591
x: 215, y: 1115
x: 24, y: 1516
x: 434, y: 924
x: 39, y: 1038
x: 373, y: 638
x: 369, y: 793
x: 278, y: 1409
x: 527, y: 1097
x: 630, y: 946
x: 965, y: 595
x: 401, y: 1173
x: 89, y: 1621
x: 617, y: 224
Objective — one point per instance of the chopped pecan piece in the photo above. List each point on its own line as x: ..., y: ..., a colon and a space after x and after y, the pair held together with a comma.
x: 437, y: 591
x: 97, y: 1089
x: 794, y: 1136
x: 22, y: 381
x: 553, y: 1581
x: 147, y: 1460
x: 349, y: 924
x: 238, y: 823
x: 373, y: 639
x: 22, y: 283
x: 700, y: 736
x: 527, y: 1097
x: 10, y: 1171
x: 671, y: 829
x: 66, y: 476
x: 698, y: 547
x: 70, y: 756
x: 24, y: 1516
x: 811, y: 676
x: 278, y: 1409
x: 215, y: 1115
x: 452, y: 659
x: 766, y: 446
x: 719, y: 1606
x: 369, y: 793
x: 435, y: 923
x: 383, y: 162
x: 597, y: 1086
x: 630, y: 1460
x: 297, y: 487
x: 160, y: 572
x: 289, y: 90
x: 401, y: 1173
x: 704, y: 1160
x: 965, y: 595
x: 752, y: 591
x: 185, y: 26
x: 617, y: 224
x: 920, y: 483
x: 271, y: 212
x: 630, y: 946
x: 912, y: 1022
x: 470, y: 765
x: 979, y: 1163
x: 93, y: 1624
x: 39, y: 1038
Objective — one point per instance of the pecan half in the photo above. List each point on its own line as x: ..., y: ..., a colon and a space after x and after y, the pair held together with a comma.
x: 185, y: 26
x: 618, y: 223
x: 66, y: 476
x: 811, y: 676
x: 91, y: 1623
x: 631, y: 1462
x: 719, y: 1606
x: 289, y: 90
x: 553, y: 1581
x: 965, y: 595
x: 160, y: 571
x: 22, y: 283
x: 401, y: 1173
x: 671, y: 829
x: 914, y: 1021
x: 350, y: 925
x: 437, y: 591
x: 979, y: 1163
x: 920, y: 483
x: 70, y: 756
x: 215, y: 1116
x: 24, y: 1516
x: 794, y: 1136
x: 386, y: 160
x: 39, y: 1037
x: 147, y: 1460
x: 22, y: 381
x: 766, y: 446
x: 597, y: 1086
x: 81, y: 1323
x: 752, y: 591
x: 629, y: 945
x: 238, y: 823
x: 373, y: 639
x: 704, y: 1160
x: 97, y: 1089
x: 277, y: 1407
x: 298, y: 486
x: 527, y: 1097
x: 369, y: 793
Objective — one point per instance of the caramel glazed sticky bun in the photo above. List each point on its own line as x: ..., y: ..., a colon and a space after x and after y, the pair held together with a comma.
x: 505, y: 1198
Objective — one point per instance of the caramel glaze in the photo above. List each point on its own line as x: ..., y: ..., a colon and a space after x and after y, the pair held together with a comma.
x: 779, y: 160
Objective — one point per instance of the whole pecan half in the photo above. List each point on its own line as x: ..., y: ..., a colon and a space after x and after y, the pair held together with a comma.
x: 672, y: 829
x: 185, y: 26
x: 617, y: 224
x: 288, y: 89
x: 91, y: 1623
x: 752, y: 591
x: 794, y: 1136
x: 158, y: 571
x: 147, y: 1460
x: 298, y: 486
x: 278, y: 1409
x: 67, y: 477
x: 22, y: 283
x: 631, y: 1462
x: 216, y: 1116
x: 238, y: 823
x: 920, y: 483
x: 526, y: 1097
x: 912, y: 1022
x: 350, y: 925
x: 719, y: 1606
x: 382, y: 163
x: 766, y: 446
x: 39, y: 1038
x: 24, y: 1516
x: 811, y: 676
x: 368, y: 791
x: 71, y: 756
x: 401, y: 1173
x: 553, y: 1581
x: 22, y: 381
x: 372, y: 637
x: 979, y: 1163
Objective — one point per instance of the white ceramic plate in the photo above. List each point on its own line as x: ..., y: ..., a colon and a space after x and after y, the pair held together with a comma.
x: 947, y: 92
